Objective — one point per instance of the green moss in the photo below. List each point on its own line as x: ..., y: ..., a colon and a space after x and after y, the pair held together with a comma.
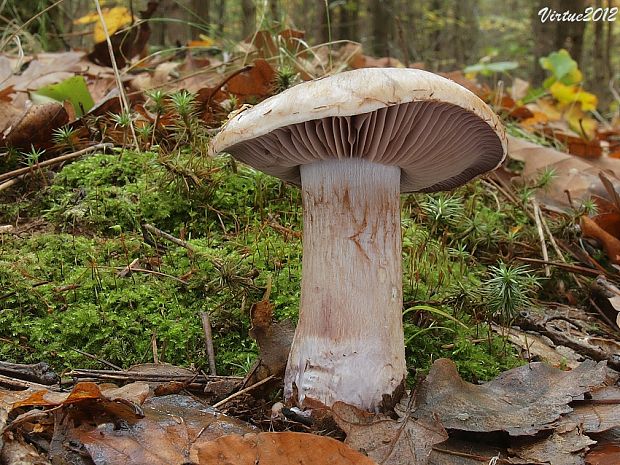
x: 61, y: 289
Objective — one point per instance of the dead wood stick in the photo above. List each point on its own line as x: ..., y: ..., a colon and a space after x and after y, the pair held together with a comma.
x: 54, y: 161
x: 206, y: 327
x: 21, y: 384
x: 39, y: 373
x: 169, y: 237
x: 139, y: 376
x: 565, y: 266
x: 541, y: 235
x: 153, y: 272
x: 100, y: 360
x: 243, y: 391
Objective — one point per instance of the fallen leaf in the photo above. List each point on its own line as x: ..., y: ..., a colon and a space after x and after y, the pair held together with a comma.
x: 596, y: 415
x: 578, y: 176
x: 533, y: 345
x: 387, y: 441
x: 127, y: 43
x: 35, y: 126
x: 278, y: 449
x: 521, y: 401
x: 173, y: 429
x: 257, y: 81
x: 73, y: 89
x: 606, y: 454
x: 610, y: 243
x: 561, y: 448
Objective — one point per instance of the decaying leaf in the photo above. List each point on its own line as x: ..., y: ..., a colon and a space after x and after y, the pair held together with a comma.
x: 606, y: 454
x: 387, y: 441
x: 561, y: 448
x: 461, y: 452
x: 35, y: 126
x: 174, y: 428
x: 257, y: 81
x: 595, y: 415
x: 521, y: 401
x: 278, y: 449
x: 577, y: 176
x: 536, y: 346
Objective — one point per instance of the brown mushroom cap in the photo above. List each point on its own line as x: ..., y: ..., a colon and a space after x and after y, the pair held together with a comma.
x: 440, y: 134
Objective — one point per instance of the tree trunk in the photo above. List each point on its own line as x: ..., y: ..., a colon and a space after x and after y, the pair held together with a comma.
x: 221, y: 17
x: 382, y: 27
x: 322, y: 29
x: 201, y: 9
x: 466, y: 31
x: 248, y: 7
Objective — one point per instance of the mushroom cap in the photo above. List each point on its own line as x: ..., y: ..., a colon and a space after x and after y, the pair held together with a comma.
x: 440, y: 134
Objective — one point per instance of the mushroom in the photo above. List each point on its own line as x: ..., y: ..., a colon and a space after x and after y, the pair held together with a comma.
x: 353, y: 142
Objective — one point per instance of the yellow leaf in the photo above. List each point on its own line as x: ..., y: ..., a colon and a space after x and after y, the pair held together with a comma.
x: 580, y: 122
x: 115, y: 18
x: 87, y: 19
x: 573, y: 94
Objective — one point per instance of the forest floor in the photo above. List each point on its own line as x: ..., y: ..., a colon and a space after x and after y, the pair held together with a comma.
x: 127, y: 252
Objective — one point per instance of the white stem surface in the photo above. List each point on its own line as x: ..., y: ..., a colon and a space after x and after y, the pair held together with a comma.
x: 349, y: 345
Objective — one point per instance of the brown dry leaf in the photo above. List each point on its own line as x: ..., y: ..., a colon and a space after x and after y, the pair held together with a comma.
x: 174, y: 429
x: 257, y: 81
x: 606, y: 454
x: 561, y: 448
x: 35, y: 126
x: 17, y: 452
x: 610, y: 243
x: 278, y: 449
x: 120, y: 403
x: 521, y: 401
x: 596, y: 415
x: 534, y: 345
x: 274, y: 341
x: 578, y: 176
x: 460, y: 452
x: 387, y: 441
x: 571, y: 327
x: 126, y: 43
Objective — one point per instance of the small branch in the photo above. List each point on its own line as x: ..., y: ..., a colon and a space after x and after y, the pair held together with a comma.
x: 156, y: 273
x: 54, y: 161
x: 564, y: 266
x: 169, y: 237
x: 206, y: 327
x: 154, y: 347
x: 21, y: 384
x: 86, y: 354
x: 541, y: 235
x: 243, y: 391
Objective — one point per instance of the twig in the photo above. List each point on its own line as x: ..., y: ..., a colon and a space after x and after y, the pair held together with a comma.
x: 555, y: 246
x: 206, y: 327
x: 6, y: 185
x: 169, y: 237
x: 154, y: 347
x: 565, y: 266
x: 243, y: 391
x: 21, y: 384
x: 54, y: 161
x: 156, y: 273
x: 541, y: 235
x: 117, y: 75
x: 86, y: 354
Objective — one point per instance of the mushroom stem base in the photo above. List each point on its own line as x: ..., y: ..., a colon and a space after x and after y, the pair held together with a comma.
x: 348, y: 345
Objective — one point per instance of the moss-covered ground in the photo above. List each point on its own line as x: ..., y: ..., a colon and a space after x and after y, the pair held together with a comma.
x: 63, y: 293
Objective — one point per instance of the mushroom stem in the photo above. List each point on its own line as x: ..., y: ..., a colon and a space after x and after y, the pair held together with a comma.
x: 348, y: 345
